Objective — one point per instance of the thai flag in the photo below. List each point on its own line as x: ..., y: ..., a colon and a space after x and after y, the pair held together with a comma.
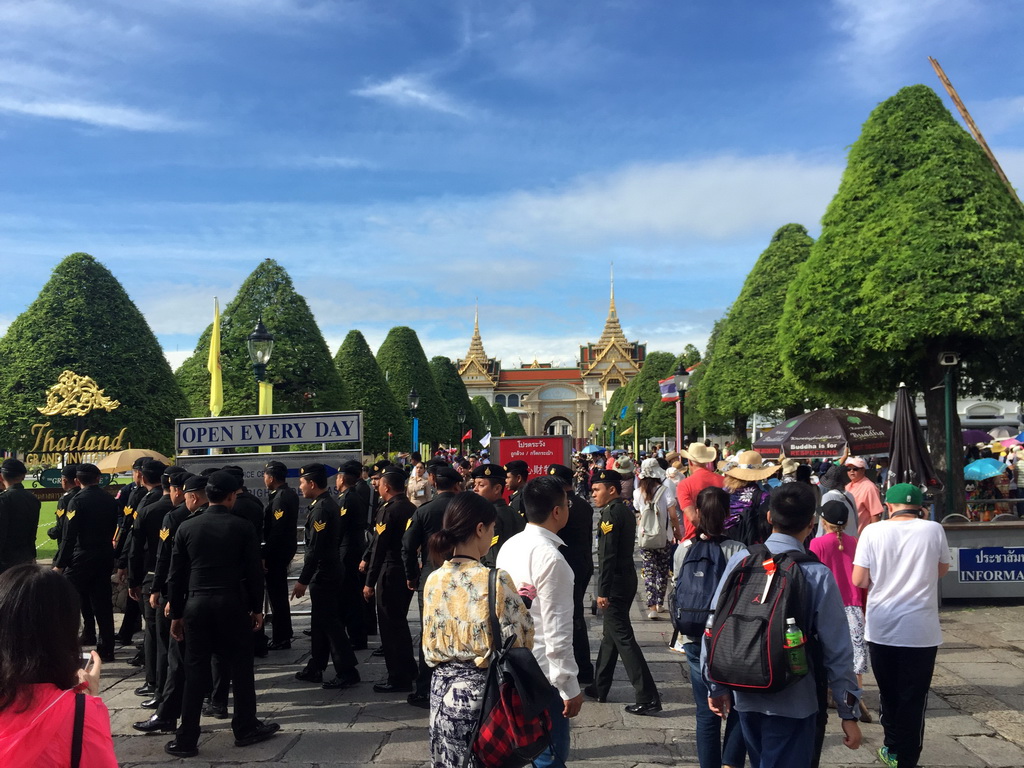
x: 668, y: 390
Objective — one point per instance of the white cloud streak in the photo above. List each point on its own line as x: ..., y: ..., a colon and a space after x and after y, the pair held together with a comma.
x: 413, y: 91
x: 97, y: 114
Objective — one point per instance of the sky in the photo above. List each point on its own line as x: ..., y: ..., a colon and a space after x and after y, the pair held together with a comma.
x: 404, y: 160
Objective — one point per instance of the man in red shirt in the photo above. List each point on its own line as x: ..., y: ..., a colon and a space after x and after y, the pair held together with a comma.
x: 702, y: 474
x: 865, y: 493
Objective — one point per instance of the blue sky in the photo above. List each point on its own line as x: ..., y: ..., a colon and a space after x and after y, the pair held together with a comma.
x: 402, y: 159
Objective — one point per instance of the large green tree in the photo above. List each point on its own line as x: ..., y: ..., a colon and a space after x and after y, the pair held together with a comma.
x: 366, y: 390
x: 920, y: 253
x: 515, y: 425
x: 746, y: 373
x: 84, y: 321
x: 453, y: 390
x: 700, y: 408
x: 301, y: 369
x: 488, y: 419
x: 499, y: 413
x: 657, y: 418
x: 406, y: 368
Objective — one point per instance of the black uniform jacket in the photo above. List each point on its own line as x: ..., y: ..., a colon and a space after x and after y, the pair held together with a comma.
x: 129, y: 502
x: 352, y: 532
x: 390, y: 523
x: 89, y: 525
x: 426, y: 521
x: 506, y: 525
x: 19, y: 523
x: 280, y: 522
x: 617, y: 536
x: 146, y: 535
x: 57, y: 532
x: 578, y: 536
x: 249, y: 508
x: 215, y: 553
x: 322, y: 561
x: 172, y: 520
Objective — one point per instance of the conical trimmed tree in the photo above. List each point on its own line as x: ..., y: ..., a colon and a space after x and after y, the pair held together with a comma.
x: 488, y: 419
x: 499, y: 413
x: 405, y: 367
x: 301, y: 369
x: 453, y: 390
x: 919, y: 254
x: 515, y: 425
x: 84, y: 321
x: 367, y: 391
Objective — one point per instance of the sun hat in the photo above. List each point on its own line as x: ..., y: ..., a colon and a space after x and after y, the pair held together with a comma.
x: 624, y: 465
x: 672, y: 456
x: 651, y: 468
x: 700, y: 453
x: 749, y: 465
x: 904, y: 493
x: 789, y: 466
x: 856, y: 461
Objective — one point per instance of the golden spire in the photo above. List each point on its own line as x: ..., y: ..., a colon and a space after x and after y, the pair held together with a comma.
x: 612, y: 329
x: 476, y: 345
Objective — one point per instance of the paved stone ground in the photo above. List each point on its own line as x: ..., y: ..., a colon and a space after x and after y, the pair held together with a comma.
x: 975, y: 710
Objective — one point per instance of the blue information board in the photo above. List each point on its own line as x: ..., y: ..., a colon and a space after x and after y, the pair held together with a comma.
x: 991, y: 565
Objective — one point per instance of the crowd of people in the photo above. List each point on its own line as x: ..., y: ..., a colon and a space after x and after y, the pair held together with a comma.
x: 200, y: 554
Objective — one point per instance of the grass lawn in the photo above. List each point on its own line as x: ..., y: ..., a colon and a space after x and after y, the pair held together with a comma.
x: 46, y: 548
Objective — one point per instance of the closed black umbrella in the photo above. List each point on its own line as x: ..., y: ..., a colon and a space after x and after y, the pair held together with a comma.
x: 909, y: 461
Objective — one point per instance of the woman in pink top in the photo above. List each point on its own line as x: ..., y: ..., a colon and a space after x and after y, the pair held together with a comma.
x: 40, y: 676
x: 836, y: 550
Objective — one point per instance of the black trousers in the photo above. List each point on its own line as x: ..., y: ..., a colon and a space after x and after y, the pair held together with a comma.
x: 424, y: 673
x: 132, y: 621
x: 149, y: 631
x: 353, y: 607
x: 580, y: 638
x: 618, y: 640
x: 328, y: 637
x: 393, y: 599
x: 277, y: 594
x: 93, y: 586
x: 163, y: 641
x: 217, y: 624
x: 904, y: 676
x: 174, y: 686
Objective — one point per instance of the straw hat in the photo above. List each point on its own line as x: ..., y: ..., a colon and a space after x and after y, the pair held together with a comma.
x: 789, y: 466
x: 651, y: 468
x: 750, y: 466
x: 700, y: 453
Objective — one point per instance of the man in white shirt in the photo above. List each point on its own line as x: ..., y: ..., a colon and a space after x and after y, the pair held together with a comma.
x: 900, y: 561
x: 532, y: 559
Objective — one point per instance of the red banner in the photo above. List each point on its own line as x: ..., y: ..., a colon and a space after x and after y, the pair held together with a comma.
x: 537, y: 452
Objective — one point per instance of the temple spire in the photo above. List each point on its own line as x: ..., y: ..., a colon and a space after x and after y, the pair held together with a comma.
x: 611, y: 306
x: 612, y: 330
x: 476, y: 345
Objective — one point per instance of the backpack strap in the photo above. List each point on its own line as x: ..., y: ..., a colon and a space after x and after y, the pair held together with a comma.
x: 77, y: 734
x: 492, y: 613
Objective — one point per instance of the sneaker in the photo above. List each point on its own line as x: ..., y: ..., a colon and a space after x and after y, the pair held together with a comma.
x: 888, y: 758
x: 652, y: 614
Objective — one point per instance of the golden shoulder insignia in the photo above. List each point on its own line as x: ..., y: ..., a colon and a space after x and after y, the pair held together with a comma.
x: 408, y: 523
x: 494, y: 540
x: 551, y: 471
x: 606, y: 528
x: 380, y: 528
x: 278, y: 514
x: 318, y: 527
x: 71, y: 515
x: 505, y: 467
x: 343, y: 511
x: 487, y: 471
x: 128, y: 511
x: 60, y: 513
x: 164, y: 533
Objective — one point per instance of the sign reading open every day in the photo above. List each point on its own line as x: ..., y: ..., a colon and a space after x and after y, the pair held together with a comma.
x: 278, y: 429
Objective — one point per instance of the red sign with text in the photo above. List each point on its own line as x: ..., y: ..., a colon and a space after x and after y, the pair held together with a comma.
x: 537, y: 452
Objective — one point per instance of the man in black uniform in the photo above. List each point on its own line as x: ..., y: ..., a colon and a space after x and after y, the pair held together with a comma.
x: 616, y: 588
x: 370, y: 606
x: 280, y: 521
x: 385, y: 573
x: 169, y: 709
x: 321, y: 573
x: 86, y: 554
x: 578, y: 536
x: 518, y: 473
x: 426, y: 521
x: 216, y: 565
x: 142, y: 560
x: 351, y: 543
x: 247, y: 506
x: 128, y: 499
x: 70, y: 486
x: 489, y: 482
x: 19, y: 517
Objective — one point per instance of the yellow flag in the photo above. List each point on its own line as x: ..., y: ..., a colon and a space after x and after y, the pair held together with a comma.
x: 625, y: 432
x: 213, y: 365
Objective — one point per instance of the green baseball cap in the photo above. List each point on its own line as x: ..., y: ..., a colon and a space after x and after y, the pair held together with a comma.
x: 904, y: 493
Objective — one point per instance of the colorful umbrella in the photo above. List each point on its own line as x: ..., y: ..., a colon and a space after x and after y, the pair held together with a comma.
x: 593, y: 449
x: 826, y: 433
x: 975, y: 436
x: 983, y: 469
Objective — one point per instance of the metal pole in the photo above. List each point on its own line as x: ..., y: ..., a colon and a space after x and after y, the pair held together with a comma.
x: 415, y: 433
x: 266, y: 406
x: 949, y: 441
x: 679, y: 422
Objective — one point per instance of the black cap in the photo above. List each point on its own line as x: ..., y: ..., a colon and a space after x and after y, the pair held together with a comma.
x: 89, y: 470
x: 236, y: 471
x: 13, y: 467
x: 195, y: 483
x: 139, y: 463
x: 835, y: 512
x: 177, y: 479
x: 69, y: 471
x: 448, y: 473
x: 274, y: 466
x: 395, y: 477
x: 435, y: 462
x: 379, y: 467
x: 351, y: 467
x: 316, y: 473
x: 518, y: 467
x: 489, y: 472
x: 560, y: 471
x: 223, y: 481
x: 608, y: 477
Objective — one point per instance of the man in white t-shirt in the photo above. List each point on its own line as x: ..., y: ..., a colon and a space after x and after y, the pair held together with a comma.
x: 900, y: 561
x: 532, y: 559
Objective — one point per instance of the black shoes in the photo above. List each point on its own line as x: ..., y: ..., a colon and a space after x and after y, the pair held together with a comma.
x: 263, y: 732
x: 154, y: 724
x: 218, y: 711
x: 419, y: 700
x: 122, y: 641
x: 308, y: 675
x: 146, y: 690
x: 591, y: 691
x: 280, y: 645
x: 346, y: 680
x: 151, y: 703
x: 378, y: 651
x: 649, y: 708
x: 180, y: 749
x: 307, y: 632
x: 387, y: 687
x: 138, y: 659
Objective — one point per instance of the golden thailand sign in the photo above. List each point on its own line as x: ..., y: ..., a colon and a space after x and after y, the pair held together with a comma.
x: 73, y: 396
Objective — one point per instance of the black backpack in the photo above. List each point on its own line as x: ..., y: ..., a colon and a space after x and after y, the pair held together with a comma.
x: 745, y: 647
x: 690, y: 603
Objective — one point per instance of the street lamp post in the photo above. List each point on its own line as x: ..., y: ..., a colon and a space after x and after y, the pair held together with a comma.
x: 636, y: 427
x: 414, y: 404
x: 461, y: 416
x: 615, y: 423
x: 260, y: 344
x: 682, y: 382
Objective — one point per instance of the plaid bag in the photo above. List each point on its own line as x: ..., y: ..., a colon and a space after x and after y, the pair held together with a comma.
x: 514, y: 726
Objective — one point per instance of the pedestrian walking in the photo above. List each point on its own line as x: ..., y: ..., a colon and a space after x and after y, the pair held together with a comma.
x: 657, y: 520
x: 19, y: 517
x: 280, y: 521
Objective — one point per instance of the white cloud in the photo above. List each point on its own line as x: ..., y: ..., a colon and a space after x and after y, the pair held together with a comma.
x: 321, y: 162
x: 413, y: 91
x: 90, y: 113
x: 177, y: 356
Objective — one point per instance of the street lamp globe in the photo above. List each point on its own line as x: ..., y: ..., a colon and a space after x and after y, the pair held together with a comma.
x: 639, y: 403
x: 414, y: 399
x: 260, y: 343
